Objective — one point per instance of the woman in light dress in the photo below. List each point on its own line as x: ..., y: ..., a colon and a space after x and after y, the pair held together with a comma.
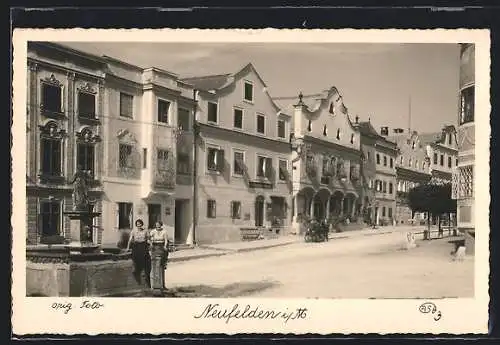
x: 139, y: 244
x: 158, y: 238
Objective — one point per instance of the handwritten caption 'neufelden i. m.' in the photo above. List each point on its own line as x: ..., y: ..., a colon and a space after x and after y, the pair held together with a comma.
x: 66, y: 307
x: 216, y: 311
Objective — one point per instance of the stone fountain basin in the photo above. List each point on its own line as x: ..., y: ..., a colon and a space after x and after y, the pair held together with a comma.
x: 51, y: 270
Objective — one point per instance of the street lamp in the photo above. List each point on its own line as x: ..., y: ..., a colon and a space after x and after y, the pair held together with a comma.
x: 196, y: 130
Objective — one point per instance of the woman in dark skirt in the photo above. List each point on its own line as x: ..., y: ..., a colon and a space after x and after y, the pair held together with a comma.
x: 139, y: 243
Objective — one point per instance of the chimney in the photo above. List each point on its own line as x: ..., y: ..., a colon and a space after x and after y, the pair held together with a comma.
x: 384, y: 131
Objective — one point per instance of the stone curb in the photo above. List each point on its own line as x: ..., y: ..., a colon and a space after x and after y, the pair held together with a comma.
x: 222, y: 252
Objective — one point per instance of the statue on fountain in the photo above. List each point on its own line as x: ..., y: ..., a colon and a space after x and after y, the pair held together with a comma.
x: 80, y: 190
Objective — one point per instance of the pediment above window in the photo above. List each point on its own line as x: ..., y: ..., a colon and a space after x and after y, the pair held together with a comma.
x: 86, y: 135
x: 86, y: 87
x: 125, y: 136
x: 52, y: 80
x: 51, y: 130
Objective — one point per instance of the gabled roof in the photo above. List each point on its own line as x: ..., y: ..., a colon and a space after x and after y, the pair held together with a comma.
x: 220, y: 81
x: 367, y: 129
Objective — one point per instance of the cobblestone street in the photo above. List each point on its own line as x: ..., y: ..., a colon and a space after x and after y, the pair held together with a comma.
x: 357, y: 267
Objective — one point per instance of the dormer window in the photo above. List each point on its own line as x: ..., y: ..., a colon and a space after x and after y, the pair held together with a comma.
x: 248, y: 92
x: 338, y: 134
x: 352, y: 138
x: 325, y: 131
x: 309, y: 126
x: 332, y: 109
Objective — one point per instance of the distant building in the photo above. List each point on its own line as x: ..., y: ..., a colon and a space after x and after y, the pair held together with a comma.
x: 463, y: 180
x: 243, y: 156
x: 326, y: 160
x: 65, y: 107
x: 442, y: 152
x: 412, y: 169
x: 380, y: 156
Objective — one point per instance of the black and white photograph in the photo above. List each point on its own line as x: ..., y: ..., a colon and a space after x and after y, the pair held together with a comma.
x: 174, y: 170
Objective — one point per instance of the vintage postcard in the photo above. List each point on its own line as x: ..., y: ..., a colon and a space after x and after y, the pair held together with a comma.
x: 250, y: 181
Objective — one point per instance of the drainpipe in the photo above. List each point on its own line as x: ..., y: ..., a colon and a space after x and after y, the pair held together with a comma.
x: 195, y: 130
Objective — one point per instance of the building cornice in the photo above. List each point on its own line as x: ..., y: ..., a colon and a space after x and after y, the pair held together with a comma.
x: 328, y: 144
x: 65, y: 69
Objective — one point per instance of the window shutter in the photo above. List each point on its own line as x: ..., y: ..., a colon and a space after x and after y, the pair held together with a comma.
x: 268, y: 167
x: 220, y: 160
x: 117, y: 214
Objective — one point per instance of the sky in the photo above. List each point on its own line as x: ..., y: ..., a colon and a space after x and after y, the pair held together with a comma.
x: 376, y: 80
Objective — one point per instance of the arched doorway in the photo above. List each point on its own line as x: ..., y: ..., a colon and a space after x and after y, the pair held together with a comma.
x: 304, y: 199
x: 336, y: 203
x: 259, y: 210
x: 320, y: 201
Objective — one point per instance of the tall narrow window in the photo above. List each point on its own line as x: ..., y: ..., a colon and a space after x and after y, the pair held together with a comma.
x: 248, y: 92
x: 125, y: 156
x: 450, y: 138
x: 51, y: 98
x: 338, y: 134
x: 182, y: 162
x: 126, y: 105
x: 212, y: 115
x: 215, y: 159
x: 85, y: 157
x: 144, y: 158
x: 467, y: 105
x: 51, y: 156
x: 235, y: 209
x: 162, y: 160
x: 211, y: 208
x: 390, y: 187
x: 238, y: 118
x: 264, y: 166
x: 281, y: 129
x: 239, y: 163
x: 441, y: 160
x: 50, y: 214
x: 378, y: 158
x: 261, y: 124
x: 125, y: 215
x: 283, y: 170
x: 184, y: 119
x: 86, y: 105
x: 435, y: 158
x: 449, y: 162
x: 385, y: 161
x: 391, y: 163
x: 163, y: 110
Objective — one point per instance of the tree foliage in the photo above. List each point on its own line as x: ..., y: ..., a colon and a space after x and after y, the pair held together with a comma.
x: 432, y: 198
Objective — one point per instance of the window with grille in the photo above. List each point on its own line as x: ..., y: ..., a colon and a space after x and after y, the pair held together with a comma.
x: 212, y: 115
x: 283, y: 169
x: 235, y: 209
x: 50, y: 218
x: 51, y: 156
x: 125, y: 215
x: 281, y: 129
x: 211, y: 208
x: 183, y: 163
x: 467, y: 105
x: 261, y: 124
x: 248, y: 92
x: 162, y: 157
x: 86, y: 105
x: 51, y: 98
x: 85, y: 157
x: 163, y: 111
x: 184, y: 119
x: 238, y: 118
x: 466, y: 182
x: 125, y: 156
x: 238, y: 163
x: 126, y: 105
